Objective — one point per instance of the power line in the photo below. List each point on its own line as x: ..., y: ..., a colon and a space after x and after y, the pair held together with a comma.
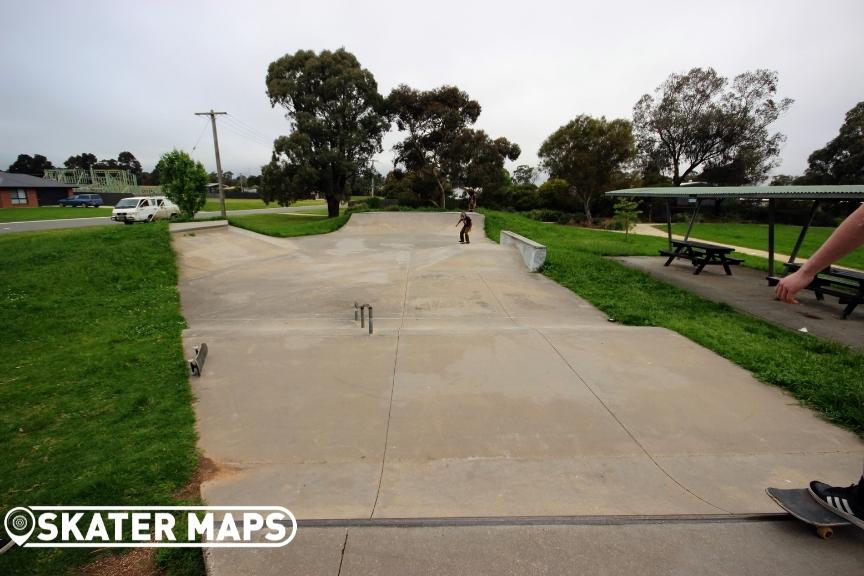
x: 203, y: 128
x: 249, y: 127
x: 255, y: 139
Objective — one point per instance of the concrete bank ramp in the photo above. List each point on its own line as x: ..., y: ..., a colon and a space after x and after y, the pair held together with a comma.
x: 485, y: 391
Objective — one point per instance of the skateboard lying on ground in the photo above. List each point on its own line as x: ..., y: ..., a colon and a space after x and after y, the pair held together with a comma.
x: 800, y: 503
x: 197, y: 363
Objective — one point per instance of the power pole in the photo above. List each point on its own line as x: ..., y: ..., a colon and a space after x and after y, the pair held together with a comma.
x: 212, y: 115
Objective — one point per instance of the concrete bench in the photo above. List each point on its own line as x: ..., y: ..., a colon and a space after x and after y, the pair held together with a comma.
x: 533, y: 254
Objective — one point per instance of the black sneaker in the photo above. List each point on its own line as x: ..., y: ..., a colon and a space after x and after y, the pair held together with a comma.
x: 845, y: 502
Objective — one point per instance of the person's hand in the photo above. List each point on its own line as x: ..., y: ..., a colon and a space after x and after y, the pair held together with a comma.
x: 791, y: 285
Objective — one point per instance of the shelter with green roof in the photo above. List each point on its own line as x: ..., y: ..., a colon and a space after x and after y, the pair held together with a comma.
x: 697, y: 194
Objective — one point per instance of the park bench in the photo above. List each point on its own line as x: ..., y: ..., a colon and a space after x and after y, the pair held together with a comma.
x: 846, y: 285
x: 701, y: 254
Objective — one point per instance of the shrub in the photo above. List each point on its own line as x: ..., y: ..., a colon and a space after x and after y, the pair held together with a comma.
x: 184, y: 181
x: 545, y: 215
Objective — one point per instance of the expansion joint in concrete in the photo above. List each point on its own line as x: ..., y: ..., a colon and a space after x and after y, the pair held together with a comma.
x: 624, y: 427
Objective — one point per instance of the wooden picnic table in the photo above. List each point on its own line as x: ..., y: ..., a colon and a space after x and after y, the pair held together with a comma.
x: 846, y: 285
x: 701, y: 254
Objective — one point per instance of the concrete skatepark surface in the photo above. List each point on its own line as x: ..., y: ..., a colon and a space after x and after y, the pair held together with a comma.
x: 485, y: 391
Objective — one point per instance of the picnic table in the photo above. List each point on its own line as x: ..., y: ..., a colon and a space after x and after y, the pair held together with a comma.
x: 846, y: 285
x: 701, y: 254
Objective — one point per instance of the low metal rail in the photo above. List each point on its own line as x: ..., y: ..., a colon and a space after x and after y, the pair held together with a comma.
x: 360, y: 309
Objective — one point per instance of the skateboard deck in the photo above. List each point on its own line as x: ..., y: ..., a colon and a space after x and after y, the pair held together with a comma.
x: 197, y: 363
x: 800, y: 503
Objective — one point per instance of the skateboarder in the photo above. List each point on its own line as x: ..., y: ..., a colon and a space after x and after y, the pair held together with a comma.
x: 845, y: 502
x: 465, y: 220
x: 472, y: 201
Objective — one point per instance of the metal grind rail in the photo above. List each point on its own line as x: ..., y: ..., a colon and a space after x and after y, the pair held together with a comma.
x: 360, y: 310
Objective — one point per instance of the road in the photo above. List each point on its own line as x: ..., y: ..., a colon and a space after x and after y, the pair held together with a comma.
x: 9, y: 227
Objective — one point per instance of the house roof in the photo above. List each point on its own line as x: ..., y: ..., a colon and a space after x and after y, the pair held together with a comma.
x: 846, y: 192
x: 10, y: 180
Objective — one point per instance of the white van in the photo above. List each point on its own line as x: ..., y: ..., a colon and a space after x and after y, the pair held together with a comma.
x: 144, y: 209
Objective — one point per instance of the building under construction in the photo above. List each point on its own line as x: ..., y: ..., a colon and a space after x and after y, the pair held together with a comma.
x: 96, y: 180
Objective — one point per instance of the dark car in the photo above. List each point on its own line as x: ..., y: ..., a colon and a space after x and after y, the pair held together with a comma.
x: 85, y: 200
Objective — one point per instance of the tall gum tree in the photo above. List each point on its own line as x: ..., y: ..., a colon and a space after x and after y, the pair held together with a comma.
x: 336, y: 119
x: 588, y: 153
x: 699, y: 120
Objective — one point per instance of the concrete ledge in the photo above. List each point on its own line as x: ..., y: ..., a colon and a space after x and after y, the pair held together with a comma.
x: 190, y: 226
x: 533, y: 254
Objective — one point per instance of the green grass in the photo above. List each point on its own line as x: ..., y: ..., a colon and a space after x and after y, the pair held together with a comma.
x: 756, y: 236
x: 236, y: 204
x: 50, y: 213
x: 819, y: 373
x: 288, y: 225
x: 96, y: 404
x: 252, y: 204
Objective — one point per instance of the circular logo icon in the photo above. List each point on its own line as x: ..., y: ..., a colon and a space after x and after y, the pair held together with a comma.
x: 19, y: 523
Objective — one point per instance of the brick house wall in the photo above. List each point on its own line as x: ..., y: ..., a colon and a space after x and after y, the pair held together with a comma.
x: 9, y: 197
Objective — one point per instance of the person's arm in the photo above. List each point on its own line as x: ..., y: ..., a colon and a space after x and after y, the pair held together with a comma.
x: 848, y: 236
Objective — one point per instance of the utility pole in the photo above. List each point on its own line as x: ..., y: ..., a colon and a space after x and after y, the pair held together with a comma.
x: 212, y: 115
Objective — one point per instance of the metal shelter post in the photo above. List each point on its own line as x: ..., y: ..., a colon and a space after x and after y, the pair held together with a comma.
x: 692, y: 219
x: 669, y: 222
x: 770, y: 237
x: 803, y: 233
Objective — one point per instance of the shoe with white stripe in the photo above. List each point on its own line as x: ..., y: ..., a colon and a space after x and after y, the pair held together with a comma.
x: 845, y: 502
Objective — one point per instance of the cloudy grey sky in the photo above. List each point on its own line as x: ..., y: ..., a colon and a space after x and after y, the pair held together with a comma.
x: 102, y: 77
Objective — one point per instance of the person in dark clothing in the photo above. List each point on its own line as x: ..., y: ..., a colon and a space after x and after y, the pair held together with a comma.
x: 465, y: 220
x: 472, y: 201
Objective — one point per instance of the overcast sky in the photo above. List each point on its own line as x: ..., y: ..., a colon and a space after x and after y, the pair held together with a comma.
x: 102, y: 77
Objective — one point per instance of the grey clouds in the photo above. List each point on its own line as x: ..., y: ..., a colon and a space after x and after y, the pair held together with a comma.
x: 102, y: 77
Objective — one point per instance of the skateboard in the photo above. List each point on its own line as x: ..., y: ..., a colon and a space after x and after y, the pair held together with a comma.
x: 800, y: 503
x: 197, y: 363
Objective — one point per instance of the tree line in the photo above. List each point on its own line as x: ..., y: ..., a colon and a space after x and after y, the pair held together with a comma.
x: 37, y: 164
x: 696, y: 127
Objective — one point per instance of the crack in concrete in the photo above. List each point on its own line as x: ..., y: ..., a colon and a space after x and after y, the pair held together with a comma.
x: 627, y: 430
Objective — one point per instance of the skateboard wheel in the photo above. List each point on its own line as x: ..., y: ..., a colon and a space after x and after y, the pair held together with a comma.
x: 825, y: 532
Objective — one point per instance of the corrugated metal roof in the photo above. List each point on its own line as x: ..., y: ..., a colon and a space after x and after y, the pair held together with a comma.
x: 846, y: 192
x: 10, y: 180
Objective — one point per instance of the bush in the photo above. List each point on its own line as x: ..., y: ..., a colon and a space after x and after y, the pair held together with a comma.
x: 184, y: 181
x: 374, y: 203
x: 545, y: 215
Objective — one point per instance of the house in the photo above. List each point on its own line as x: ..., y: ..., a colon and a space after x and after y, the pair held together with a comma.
x: 25, y: 191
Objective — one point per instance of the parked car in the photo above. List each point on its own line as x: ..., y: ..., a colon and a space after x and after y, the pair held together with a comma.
x: 144, y: 209
x: 92, y: 200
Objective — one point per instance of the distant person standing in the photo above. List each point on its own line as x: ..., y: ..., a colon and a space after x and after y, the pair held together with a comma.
x: 472, y: 201
x: 847, y: 502
x: 465, y: 221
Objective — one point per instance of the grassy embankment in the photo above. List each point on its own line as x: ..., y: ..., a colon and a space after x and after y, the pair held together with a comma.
x: 212, y: 205
x: 288, y: 225
x: 756, y: 236
x: 96, y: 404
x: 50, y: 213
x: 821, y: 374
